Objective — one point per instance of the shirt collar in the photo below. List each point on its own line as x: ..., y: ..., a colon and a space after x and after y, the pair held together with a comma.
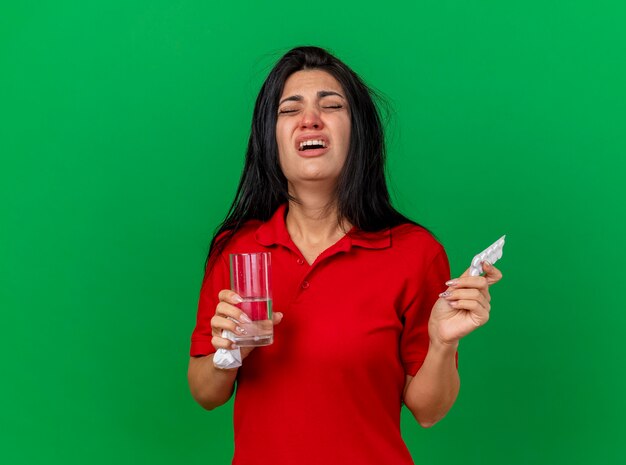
x: 274, y: 231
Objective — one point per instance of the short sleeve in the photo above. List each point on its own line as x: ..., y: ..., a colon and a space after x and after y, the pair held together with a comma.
x: 216, y: 278
x: 415, y: 341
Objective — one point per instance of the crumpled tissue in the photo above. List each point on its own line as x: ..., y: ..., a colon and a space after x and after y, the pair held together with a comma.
x: 226, y: 359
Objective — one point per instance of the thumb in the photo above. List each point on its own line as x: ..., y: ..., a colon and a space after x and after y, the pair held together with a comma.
x: 492, y: 274
x: 277, y: 317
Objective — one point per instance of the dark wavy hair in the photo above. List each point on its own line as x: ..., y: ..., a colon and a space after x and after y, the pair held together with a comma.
x: 362, y: 197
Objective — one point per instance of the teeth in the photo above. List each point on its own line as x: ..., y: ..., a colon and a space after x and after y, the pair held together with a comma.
x: 312, y: 142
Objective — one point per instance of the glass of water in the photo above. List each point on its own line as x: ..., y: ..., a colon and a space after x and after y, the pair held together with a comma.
x: 250, y: 278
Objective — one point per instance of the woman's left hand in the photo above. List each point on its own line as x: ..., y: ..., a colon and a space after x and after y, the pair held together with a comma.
x: 463, y: 307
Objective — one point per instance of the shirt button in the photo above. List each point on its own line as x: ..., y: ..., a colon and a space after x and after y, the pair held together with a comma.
x: 305, y: 285
x: 300, y: 261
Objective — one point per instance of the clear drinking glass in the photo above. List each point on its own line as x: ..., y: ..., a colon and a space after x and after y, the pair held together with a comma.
x: 250, y: 278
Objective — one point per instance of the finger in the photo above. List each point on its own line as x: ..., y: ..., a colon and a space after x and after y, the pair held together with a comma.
x: 467, y: 294
x: 478, y: 313
x: 470, y: 282
x: 222, y: 343
x: 226, y: 295
x: 492, y: 274
x: 219, y: 323
x: 230, y: 311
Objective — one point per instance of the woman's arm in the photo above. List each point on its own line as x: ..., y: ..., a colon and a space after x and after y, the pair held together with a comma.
x: 210, y: 386
x: 434, y: 388
x: 462, y: 308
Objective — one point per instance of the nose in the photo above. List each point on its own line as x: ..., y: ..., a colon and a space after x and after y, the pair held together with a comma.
x: 311, y: 119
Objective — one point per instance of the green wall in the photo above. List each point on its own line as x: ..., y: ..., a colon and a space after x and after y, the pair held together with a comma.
x: 122, y: 132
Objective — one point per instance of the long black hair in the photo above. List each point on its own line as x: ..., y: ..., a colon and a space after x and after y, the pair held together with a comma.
x: 362, y: 197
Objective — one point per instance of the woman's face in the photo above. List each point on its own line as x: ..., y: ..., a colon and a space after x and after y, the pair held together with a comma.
x: 313, y: 127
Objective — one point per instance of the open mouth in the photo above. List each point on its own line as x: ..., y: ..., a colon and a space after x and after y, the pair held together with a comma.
x: 312, y: 145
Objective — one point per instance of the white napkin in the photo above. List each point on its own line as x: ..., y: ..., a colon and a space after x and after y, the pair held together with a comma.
x: 224, y: 358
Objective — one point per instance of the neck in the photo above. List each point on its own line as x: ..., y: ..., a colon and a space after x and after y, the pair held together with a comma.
x: 313, y: 219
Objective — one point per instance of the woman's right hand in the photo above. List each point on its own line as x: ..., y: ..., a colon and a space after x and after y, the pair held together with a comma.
x: 228, y: 317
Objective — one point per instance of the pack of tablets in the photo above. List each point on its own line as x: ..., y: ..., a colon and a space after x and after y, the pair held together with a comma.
x: 491, y: 254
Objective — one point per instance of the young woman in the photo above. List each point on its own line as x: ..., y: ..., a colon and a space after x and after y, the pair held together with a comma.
x: 363, y: 322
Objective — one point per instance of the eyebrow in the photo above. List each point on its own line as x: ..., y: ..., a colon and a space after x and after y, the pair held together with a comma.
x: 320, y: 94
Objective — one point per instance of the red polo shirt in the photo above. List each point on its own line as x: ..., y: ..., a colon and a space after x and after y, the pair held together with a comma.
x: 329, y: 390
